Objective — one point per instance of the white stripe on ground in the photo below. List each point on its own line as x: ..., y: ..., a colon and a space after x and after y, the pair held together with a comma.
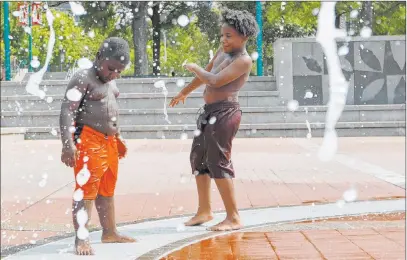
x: 394, y: 178
x: 155, y: 234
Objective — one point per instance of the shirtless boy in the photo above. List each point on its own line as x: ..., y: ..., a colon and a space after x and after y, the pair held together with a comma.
x: 91, y: 139
x: 210, y: 155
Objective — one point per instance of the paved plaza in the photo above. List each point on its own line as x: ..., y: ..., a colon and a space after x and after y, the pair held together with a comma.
x: 279, y: 182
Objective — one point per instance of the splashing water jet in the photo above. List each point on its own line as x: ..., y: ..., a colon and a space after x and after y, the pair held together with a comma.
x: 326, y: 35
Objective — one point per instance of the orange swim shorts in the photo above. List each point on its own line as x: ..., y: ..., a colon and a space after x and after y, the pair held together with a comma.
x: 99, y: 153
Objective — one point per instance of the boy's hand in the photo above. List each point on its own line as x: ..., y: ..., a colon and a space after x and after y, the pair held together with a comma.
x: 175, y: 100
x: 69, y: 156
x: 190, y: 66
x: 121, y: 147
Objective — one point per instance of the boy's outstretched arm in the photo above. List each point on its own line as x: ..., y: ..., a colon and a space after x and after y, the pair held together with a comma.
x: 236, y: 69
x: 197, y: 82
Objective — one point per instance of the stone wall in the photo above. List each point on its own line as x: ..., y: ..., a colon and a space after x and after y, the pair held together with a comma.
x: 375, y: 68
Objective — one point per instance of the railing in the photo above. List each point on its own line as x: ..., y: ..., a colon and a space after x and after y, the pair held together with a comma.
x: 72, y: 70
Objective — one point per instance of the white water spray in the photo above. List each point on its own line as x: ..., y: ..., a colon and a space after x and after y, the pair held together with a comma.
x: 161, y: 84
x: 338, y: 90
x: 33, y: 84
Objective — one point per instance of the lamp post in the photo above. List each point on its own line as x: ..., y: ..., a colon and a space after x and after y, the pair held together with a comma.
x: 6, y: 35
x: 259, y: 19
x: 30, y: 38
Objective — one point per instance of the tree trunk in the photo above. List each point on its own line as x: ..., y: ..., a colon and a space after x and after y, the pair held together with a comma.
x: 139, y: 27
x: 156, y: 38
x: 367, y: 13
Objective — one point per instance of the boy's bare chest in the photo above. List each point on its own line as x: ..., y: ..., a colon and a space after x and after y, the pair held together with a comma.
x: 97, y: 91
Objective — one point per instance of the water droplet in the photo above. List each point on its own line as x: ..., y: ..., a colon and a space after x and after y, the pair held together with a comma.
x: 82, y: 233
x: 42, y: 183
x: 73, y: 95
x: 183, y: 20
x: 77, y: 9
x: 308, y: 94
x: 16, y: 13
x: 85, y: 63
x: 180, y: 83
x: 197, y: 132
x: 35, y: 63
x: 196, y: 173
x: 184, y: 136
x: 78, y: 195
x: 10, y: 37
x: 85, y: 158
x: 159, y: 84
x: 49, y: 100
x: 54, y: 132
x: 354, y: 14
x: 35, y: 235
x: 212, y: 120
x: 315, y: 11
x: 366, y: 32
x: 72, y: 129
x: 350, y: 195
x: 82, y: 217
x: 114, y: 119
x: 343, y: 50
x: 33, y: 242
x: 91, y: 34
x: 292, y: 105
x: 255, y: 55
x: 27, y: 29
x: 83, y: 176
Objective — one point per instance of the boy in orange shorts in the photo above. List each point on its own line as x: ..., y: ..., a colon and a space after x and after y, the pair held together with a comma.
x: 92, y: 145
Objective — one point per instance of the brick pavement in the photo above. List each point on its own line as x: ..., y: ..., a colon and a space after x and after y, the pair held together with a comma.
x: 155, y: 180
x: 355, y: 242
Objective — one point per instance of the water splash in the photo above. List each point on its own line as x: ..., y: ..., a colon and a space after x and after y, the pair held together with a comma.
x: 183, y: 20
x: 78, y: 195
x: 33, y: 84
x: 82, y: 217
x: 326, y: 35
x: 309, y: 135
x: 82, y: 233
x: 350, y: 195
x: 77, y: 9
x: 292, y: 105
x: 85, y: 63
x: 83, y: 176
x: 254, y: 55
x: 161, y: 84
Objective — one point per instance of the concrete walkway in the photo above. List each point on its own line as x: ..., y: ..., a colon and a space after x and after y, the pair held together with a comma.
x: 155, y: 182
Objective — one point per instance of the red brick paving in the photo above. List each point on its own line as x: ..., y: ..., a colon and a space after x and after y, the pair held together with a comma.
x: 155, y: 179
x: 381, y: 243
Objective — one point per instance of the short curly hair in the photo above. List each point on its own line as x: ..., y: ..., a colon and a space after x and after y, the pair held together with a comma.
x: 115, y: 48
x: 243, y: 21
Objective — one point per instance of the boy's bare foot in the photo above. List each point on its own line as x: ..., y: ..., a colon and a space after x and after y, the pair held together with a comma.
x: 117, y: 238
x: 199, y: 219
x: 227, y: 225
x: 82, y: 247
